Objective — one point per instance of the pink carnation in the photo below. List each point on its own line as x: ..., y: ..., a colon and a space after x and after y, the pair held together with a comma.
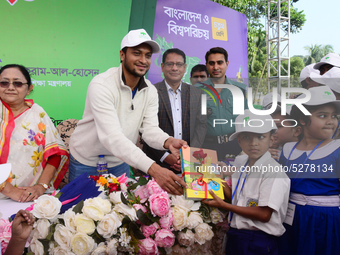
x: 159, y: 204
x: 142, y: 193
x: 153, y: 187
x: 147, y: 246
x: 166, y: 221
x: 164, y: 238
x: 150, y: 230
x: 139, y: 206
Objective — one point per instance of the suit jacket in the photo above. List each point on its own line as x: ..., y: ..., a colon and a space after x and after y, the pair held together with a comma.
x: 194, y: 125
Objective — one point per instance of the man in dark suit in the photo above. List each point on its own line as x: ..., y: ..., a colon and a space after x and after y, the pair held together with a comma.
x: 179, y: 112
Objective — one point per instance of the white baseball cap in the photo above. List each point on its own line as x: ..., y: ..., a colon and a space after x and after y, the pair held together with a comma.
x: 309, y: 71
x: 331, y: 59
x: 330, y: 78
x: 5, y: 171
x: 261, y: 124
x: 268, y: 100
x: 137, y: 37
x: 321, y: 95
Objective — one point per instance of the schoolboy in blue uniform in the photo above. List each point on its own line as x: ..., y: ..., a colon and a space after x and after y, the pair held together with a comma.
x: 260, y: 190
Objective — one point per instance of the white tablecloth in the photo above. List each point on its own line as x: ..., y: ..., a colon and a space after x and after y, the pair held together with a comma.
x: 9, y: 207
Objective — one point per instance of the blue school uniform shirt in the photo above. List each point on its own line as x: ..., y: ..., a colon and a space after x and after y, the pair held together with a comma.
x: 319, y: 174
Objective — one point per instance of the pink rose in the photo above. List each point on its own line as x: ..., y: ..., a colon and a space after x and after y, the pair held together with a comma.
x: 142, y: 193
x: 147, y: 246
x: 164, y: 238
x: 150, y: 230
x: 159, y: 204
x: 139, y: 206
x: 166, y: 221
x: 153, y: 187
x: 5, y: 234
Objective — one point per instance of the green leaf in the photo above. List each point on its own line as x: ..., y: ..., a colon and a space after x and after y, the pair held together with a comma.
x: 97, y: 237
x: 143, y: 218
x: 46, y: 245
x: 135, y: 231
x: 152, y: 218
x: 126, y: 220
x: 49, y: 237
x: 142, y: 181
x: 161, y: 250
x: 122, y: 197
x: 58, y: 195
x: 79, y: 207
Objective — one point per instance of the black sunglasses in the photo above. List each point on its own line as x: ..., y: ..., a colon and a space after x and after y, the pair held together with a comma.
x: 17, y: 84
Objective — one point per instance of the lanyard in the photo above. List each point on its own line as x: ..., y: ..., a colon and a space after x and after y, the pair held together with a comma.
x: 307, y: 155
x: 238, y: 182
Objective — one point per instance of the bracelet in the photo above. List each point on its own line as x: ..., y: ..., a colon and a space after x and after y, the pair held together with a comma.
x: 2, y: 186
x: 44, y: 185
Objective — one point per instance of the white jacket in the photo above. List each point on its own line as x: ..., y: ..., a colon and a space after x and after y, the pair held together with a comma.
x: 112, y: 120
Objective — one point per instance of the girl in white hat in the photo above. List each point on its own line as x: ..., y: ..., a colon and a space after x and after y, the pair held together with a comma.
x: 313, y: 163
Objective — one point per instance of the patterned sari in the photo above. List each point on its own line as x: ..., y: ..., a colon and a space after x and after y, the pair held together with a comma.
x: 27, y: 141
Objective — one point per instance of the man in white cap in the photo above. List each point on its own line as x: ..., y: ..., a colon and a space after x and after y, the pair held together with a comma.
x: 120, y: 103
x: 306, y: 75
x: 328, y: 62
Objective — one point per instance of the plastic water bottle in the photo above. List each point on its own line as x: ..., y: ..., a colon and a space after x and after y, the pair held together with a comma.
x: 102, y: 165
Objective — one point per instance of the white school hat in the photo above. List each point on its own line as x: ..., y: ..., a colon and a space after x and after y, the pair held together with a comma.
x: 268, y: 100
x: 5, y: 171
x: 137, y: 37
x: 321, y: 95
x: 243, y: 124
x: 330, y: 78
x: 331, y: 59
x: 309, y: 71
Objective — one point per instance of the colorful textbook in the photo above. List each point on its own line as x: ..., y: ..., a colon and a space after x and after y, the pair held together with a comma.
x: 199, y: 168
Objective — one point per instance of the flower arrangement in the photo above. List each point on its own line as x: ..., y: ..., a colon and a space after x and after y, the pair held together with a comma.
x: 132, y: 218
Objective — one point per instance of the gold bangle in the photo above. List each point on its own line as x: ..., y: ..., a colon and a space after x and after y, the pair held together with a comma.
x: 2, y: 186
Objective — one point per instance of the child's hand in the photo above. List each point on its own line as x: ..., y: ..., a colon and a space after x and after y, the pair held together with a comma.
x: 216, y: 202
x: 275, y: 153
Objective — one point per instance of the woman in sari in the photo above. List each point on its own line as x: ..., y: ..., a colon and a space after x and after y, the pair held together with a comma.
x: 29, y: 140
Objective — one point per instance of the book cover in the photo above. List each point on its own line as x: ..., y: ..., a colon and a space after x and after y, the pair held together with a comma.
x: 200, y: 172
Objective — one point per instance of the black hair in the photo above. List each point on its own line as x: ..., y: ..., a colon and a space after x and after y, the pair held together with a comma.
x: 199, y: 68
x: 216, y: 50
x: 22, y: 69
x: 173, y: 50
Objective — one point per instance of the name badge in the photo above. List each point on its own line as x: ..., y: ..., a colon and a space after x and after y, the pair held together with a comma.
x: 290, y: 214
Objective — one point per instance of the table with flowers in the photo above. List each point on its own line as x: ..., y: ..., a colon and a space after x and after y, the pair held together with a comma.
x: 117, y: 215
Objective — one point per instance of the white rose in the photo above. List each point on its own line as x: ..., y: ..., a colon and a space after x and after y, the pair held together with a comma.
x: 112, y: 246
x: 84, y: 224
x: 36, y: 247
x: 46, y: 207
x: 126, y: 210
x: 115, y: 197
x: 187, y: 238
x: 180, y: 217
x: 203, y: 233
x: 194, y: 220
x: 108, y: 225
x: 63, y: 236
x: 42, y: 228
x: 82, y: 244
x: 69, y: 218
x: 216, y: 216
x: 180, y: 201
x: 96, y: 208
x: 100, y: 250
x: 60, y: 251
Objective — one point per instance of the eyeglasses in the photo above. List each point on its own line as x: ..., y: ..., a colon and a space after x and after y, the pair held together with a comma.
x: 17, y: 84
x: 171, y: 64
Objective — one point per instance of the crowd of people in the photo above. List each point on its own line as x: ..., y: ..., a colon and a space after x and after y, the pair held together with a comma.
x: 294, y: 211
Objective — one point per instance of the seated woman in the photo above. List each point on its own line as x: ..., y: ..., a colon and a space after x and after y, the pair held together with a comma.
x: 29, y: 140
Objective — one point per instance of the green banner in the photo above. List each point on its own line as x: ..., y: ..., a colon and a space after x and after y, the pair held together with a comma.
x: 64, y: 44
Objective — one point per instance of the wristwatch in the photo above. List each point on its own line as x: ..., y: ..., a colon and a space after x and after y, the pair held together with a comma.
x: 44, y: 185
